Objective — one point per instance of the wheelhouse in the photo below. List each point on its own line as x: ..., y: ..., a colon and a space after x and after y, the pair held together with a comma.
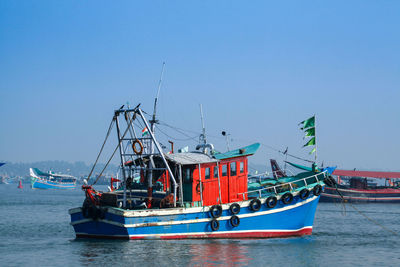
x: 206, y: 180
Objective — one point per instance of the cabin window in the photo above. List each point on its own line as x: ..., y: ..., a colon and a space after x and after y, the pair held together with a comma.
x: 233, y: 168
x: 224, y: 170
x: 241, y: 167
x: 207, y: 176
x: 215, y: 172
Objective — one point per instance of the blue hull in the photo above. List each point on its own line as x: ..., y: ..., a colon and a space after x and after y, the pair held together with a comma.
x: 294, y: 219
x: 44, y: 184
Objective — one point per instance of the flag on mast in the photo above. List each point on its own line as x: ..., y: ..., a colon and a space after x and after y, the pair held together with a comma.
x: 145, y: 131
x: 308, y: 123
x: 308, y: 126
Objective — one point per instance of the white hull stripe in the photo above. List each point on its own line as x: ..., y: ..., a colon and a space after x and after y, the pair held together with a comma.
x: 259, y: 213
x: 171, y: 211
x: 208, y: 233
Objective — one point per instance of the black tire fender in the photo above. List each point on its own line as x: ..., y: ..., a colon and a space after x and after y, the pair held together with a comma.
x: 317, y: 190
x: 216, y: 211
x: 287, y: 198
x: 271, y: 202
x: 255, y: 204
x: 235, y: 221
x: 214, y: 224
x: 329, y: 181
x: 304, y: 193
x: 234, y: 208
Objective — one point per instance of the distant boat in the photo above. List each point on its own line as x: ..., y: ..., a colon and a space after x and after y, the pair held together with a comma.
x: 358, y: 188
x: 20, y: 185
x: 3, y: 180
x: 50, y: 180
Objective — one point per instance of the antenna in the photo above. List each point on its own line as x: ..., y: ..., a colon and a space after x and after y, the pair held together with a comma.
x: 153, y: 121
x: 202, y: 124
x: 203, y: 135
x: 227, y: 138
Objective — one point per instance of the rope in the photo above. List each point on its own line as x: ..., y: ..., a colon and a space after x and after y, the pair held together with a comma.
x: 373, y: 221
x: 365, y: 216
x: 102, y: 147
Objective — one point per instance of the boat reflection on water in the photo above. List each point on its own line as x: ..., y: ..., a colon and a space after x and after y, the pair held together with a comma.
x: 220, y: 253
x: 167, y: 252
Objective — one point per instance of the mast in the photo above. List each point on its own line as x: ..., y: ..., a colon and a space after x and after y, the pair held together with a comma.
x: 153, y: 126
x: 315, y: 136
x: 121, y: 153
x: 154, y: 121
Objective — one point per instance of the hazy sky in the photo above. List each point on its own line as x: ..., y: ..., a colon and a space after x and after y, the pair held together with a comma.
x: 258, y: 68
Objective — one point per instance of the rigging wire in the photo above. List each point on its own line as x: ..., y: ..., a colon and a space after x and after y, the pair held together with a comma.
x: 181, y: 131
x: 115, y: 150
x: 102, y: 147
x: 177, y: 139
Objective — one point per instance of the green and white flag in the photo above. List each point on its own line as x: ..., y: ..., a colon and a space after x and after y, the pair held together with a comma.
x: 308, y: 123
x: 311, y: 142
x: 310, y: 132
x: 308, y: 126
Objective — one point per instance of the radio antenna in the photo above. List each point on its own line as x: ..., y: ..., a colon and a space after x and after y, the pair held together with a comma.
x: 154, y: 121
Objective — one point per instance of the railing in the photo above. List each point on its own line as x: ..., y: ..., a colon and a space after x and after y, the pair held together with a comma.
x: 290, y: 184
x: 268, y: 174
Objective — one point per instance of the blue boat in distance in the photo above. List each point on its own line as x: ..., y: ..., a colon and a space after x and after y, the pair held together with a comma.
x: 50, y: 180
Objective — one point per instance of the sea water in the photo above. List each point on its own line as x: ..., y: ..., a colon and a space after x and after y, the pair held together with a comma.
x: 35, y: 231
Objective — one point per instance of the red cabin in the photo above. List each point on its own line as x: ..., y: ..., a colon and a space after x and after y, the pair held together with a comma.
x: 222, y: 177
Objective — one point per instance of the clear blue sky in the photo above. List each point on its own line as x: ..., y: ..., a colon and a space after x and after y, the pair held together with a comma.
x: 258, y: 68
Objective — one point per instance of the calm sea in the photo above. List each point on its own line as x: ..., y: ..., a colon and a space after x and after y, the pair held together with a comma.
x: 35, y: 231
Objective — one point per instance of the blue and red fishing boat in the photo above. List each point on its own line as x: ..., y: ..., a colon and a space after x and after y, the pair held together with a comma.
x: 199, y: 194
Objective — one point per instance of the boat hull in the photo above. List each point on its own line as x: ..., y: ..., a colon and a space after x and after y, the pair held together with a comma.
x: 45, y: 184
x: 361, y: 195
x: 284, y: 220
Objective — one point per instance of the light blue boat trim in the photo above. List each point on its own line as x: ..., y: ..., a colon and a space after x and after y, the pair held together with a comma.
x: 42, y: 184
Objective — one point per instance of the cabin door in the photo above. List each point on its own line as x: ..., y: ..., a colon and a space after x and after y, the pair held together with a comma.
x: 210, y: 186
x: 187, y: 179
x: 224, y: 183
x: 233, y: 182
